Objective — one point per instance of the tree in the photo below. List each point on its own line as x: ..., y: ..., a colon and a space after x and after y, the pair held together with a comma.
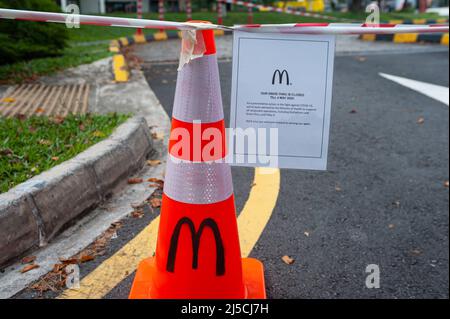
x: 25, y: 40
x: 356, y: 5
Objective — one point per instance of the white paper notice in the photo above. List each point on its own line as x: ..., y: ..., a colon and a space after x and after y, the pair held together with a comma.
x: 281, y: 89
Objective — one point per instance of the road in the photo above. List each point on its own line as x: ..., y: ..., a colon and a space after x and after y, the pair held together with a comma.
x: 382, y: 200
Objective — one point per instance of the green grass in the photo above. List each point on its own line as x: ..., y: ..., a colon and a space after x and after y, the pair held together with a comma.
x: 31, y: 146
x: 73, y: 56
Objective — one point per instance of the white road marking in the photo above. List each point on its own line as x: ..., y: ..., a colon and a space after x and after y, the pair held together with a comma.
x: 437, y: 92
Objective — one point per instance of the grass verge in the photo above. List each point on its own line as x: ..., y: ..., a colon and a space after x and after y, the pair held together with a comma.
x: 73, y: 56
x: 31, y: 146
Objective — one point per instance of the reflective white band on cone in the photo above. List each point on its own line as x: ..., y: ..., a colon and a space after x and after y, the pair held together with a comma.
x: 197, y: 183
x: 197, y: 94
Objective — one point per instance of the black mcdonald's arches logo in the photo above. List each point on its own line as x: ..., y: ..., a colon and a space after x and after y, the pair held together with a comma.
x: 196, y: 236
x: 280, y: 77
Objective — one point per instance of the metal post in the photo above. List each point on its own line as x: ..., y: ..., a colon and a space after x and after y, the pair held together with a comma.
x: 250, y: 14
x: 219, y: 12
x: 161, y: 12
x: 139, y: 15
x: 63, y: 5
x: 189, y: 9
x: 102, y: 7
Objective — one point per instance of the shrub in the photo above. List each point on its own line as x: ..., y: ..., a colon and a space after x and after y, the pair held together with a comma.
x: 25, y: 40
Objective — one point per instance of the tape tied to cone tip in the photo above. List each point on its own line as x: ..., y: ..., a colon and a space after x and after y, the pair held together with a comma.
x: 192, y: 47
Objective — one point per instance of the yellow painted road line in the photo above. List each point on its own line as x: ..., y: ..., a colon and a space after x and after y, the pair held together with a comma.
x: 117, y: 267
x: 258, y: 208
x: 251, y: 222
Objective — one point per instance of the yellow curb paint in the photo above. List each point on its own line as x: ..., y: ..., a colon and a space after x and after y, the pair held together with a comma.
x: 251, y: 222
x: 395, y: 21
x: 368, y: 37
x: 139, y: 38
x: 405, y: 37
x: 124, y: 41
x: 160, y: 36
x: 120, y: 69
x: 419, y: 21
x: 444, y: 39
x: 219, y: 32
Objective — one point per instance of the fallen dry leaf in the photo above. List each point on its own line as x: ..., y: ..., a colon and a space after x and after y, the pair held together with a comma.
x: 9, y: 100
x: 98, y: 134
x: 135, y: 180
x: 157, y: 136
x: 155, y: 180
x: 58, y: 119
x: 86, y: 258
x: 55, y: 158
x: 137, y: 214
x: 28, y: 259
x: 21, y: 117
x: 39, y: 110
x: 288, y: 260
x: 155, y: 202
x: 45, y: 142
x: 446, y: 184
x: 81, y: 127
x: 154, y: 185
x: 68, y: 261
x: 28, y: 268
x: 153, y: 162
x: 416, y: 252
x: 420, y: 120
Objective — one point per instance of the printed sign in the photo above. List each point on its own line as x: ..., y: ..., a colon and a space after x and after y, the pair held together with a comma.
x: 281, y: 100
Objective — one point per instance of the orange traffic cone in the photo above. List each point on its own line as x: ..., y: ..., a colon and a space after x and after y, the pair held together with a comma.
x: 198, y: 253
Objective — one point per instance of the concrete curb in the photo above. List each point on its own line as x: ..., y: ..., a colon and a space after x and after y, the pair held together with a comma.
x: 34, y: 212
x: 438, y: 38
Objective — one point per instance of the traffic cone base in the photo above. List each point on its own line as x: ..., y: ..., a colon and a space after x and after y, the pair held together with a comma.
x: 252, y: 269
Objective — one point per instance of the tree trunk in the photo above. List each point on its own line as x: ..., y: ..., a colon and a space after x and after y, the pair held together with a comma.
x: 356, y: 5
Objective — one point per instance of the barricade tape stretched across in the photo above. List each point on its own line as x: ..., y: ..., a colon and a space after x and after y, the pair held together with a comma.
x: 299, y: 28
x: 261, y: 7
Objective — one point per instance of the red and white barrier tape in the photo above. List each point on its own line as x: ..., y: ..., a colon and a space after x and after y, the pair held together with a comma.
x: 305, y: 28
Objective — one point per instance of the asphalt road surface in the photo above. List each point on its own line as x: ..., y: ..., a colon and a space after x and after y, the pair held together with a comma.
x: 382, y: 200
